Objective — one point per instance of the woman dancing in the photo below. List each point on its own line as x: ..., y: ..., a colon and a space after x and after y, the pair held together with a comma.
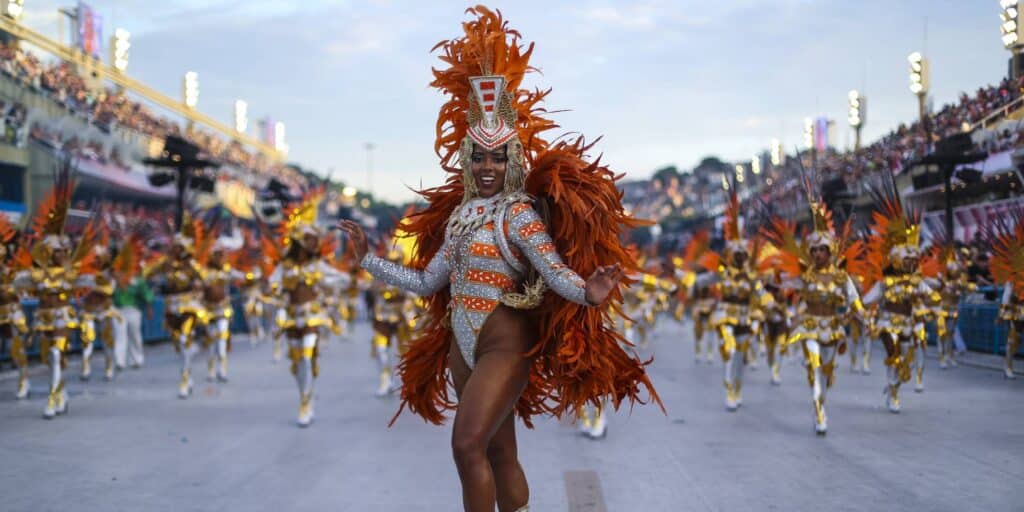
x: 485, y: 258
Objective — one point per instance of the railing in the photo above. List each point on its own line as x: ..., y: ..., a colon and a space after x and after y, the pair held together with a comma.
x: 999, y: 113
x: 117, y: 77
x: 40, y: 104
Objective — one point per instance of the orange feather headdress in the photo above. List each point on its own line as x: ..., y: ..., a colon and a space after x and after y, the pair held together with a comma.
x: 794, y: 253
x: 895, y: 232
x: 1006, y: 235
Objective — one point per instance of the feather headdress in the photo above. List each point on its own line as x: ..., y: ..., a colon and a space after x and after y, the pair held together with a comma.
x: 895, y: 232
x: 1006, y: 236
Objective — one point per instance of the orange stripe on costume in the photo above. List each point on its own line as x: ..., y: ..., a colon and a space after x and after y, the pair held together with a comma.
x: 531, y: 229
x: 519, y: 208
x: 484, y: 250
x: 495, y: 279
x: 481, y: 304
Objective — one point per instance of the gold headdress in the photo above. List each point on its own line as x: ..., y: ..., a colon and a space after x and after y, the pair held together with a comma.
x: 186, y: 236
x: 1006, y: 236
x: 7, y: 233
x: 793, y: 252
x: 300, y: 218
x: 733, y: 230
x: 48, y: 223
x: 895, y: 232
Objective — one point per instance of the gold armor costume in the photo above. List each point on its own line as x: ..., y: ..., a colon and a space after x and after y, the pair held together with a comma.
x: 392, y: 312
x: 98, y: 315
x: 182, y: 306
x: 215, y: 318
x: 302, y: 278
x: 13, y: 327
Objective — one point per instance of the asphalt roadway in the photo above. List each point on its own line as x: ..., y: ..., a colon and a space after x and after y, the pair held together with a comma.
x: 132, y: 445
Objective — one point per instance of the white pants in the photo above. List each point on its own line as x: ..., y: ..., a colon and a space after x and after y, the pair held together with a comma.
x: 128, y: 337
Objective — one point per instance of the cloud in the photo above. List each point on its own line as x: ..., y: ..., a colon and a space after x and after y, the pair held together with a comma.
x: 607, y: 15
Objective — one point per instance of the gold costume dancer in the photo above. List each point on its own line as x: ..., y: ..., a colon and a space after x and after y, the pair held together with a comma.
x: 217, y: 274
x: 740, y: 310
x: 776, y: 329
x: 302, y: 277
x: 390, y: 319
x: 182, y: 282
x: 14, y: 332
x: 702, y: 298
x: 953, y: 285
x: 52, y: 281
x: 98, y: 312
x: 900, y: 290
x: 816, y: 269
x: 1008, y: 268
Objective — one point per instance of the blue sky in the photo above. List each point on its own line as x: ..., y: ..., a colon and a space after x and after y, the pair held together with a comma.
x: 663, y: 82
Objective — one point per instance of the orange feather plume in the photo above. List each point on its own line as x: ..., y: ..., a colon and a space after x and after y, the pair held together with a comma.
x: 1007, y: 241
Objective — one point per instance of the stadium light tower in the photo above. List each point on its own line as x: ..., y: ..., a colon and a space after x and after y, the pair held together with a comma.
x: 776, y: 152
x: 119, y: 45
x: 755, y: 164
x: 858, y: 112
x: 13, y: 8
x: 241, y: 116
x: 919, y: 81
x: 190, y: 89
x: 1012, y: 34
x: 279, y: 137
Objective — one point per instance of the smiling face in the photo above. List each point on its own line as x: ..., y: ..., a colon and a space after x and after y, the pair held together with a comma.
x: 488, y: 169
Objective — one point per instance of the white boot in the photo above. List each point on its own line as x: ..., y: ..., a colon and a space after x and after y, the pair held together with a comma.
x: 820, y: 419
x: 776, y: 375
x: 892, y: 398
x: 185, y: 384
x: 23, y: 384
x: 222, y: 360
x: 305, y: 411
x: 86, y: 361
x: 600, y: 428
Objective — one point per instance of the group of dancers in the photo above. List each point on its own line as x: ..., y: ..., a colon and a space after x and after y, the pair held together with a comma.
x: 831, y: 291
x: 291, y: 278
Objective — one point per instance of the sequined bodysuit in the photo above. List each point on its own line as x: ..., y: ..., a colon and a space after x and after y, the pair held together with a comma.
x: 482, y: 265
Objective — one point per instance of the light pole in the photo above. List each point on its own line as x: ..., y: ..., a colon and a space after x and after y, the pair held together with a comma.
x: 809, y: 140
x: 1012, y: 34
x: 777, y: 155
x: 858, y: 111
x: 120, y: 43
x: 13, y: 8
x: 369, y: 167
x: 280, y: 144
x: 919, y: 82
x: 241, y: 116
x: 190, y: 93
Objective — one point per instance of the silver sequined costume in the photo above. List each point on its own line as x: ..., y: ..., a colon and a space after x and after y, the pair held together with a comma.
x: 482, y: 266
